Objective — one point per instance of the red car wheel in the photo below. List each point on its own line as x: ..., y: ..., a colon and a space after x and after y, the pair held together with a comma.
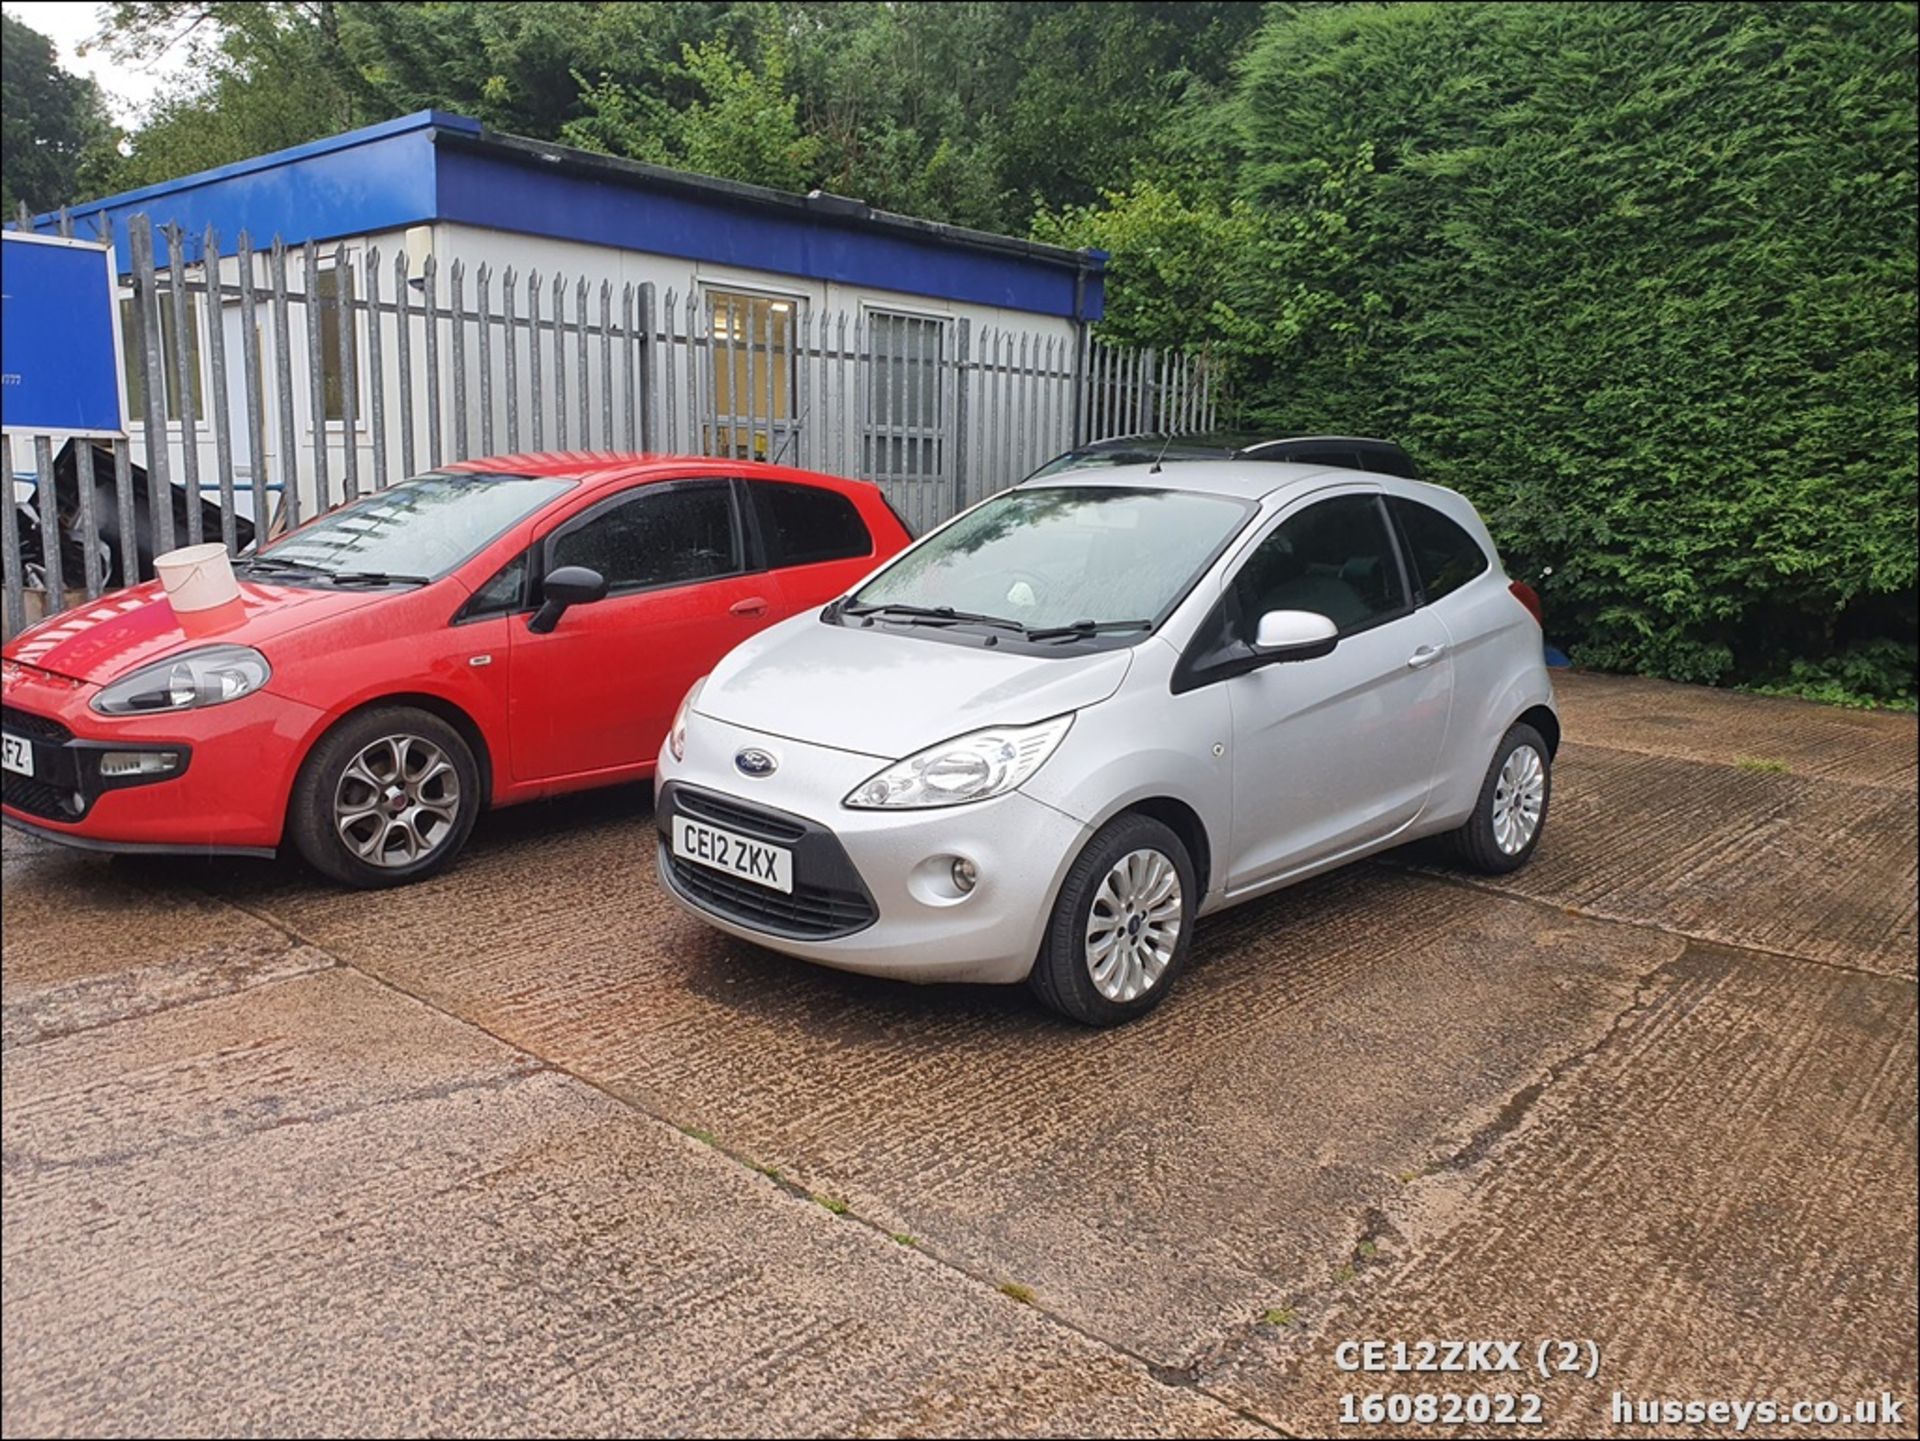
x: 387, y: 796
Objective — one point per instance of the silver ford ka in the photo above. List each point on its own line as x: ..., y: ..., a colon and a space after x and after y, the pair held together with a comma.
x: 1042, y: 742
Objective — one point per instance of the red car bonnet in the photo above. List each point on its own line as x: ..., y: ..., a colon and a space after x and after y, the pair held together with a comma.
x: 118, y: 632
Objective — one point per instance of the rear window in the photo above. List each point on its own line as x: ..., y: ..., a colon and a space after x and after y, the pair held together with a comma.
x: 1444, y: 556
x: 805, y: 525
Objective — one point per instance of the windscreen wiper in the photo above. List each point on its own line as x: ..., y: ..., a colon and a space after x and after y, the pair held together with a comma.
x: 276, y: 565
x: 934, y: 615
x: 1086, y: 627
x: 371, y: 577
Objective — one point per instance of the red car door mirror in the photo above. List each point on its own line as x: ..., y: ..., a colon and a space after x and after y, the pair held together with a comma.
x: 568, y: 585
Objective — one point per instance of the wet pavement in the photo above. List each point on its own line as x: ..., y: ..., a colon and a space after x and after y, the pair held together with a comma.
x: 522, y: 1148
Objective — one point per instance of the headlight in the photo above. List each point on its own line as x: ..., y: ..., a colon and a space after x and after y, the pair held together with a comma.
x: 212, y: 676
x: 677, y: 736
x: 967, y: 768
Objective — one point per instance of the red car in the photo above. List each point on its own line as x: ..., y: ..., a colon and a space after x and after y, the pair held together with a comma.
x: 485, y: 634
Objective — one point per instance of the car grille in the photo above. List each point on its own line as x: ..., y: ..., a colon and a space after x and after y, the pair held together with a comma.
x: 814, y: 913
x: 33, y: 727
x: 719, y: 811
x: 828, y: 899
x: 33, y: 794
x: 37, y: 798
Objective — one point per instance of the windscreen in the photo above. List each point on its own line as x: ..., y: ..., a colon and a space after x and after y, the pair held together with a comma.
x: 421, y: 527
x: 1063, y: 555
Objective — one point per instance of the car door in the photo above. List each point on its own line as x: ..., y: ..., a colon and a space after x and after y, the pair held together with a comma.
x: 1335, y: 753
x: 598, y: 692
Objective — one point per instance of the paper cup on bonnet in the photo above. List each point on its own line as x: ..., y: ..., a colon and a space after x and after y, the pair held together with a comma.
x: 197, y: 577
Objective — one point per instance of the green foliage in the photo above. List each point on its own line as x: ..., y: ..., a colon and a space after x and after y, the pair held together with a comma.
x: 744, y: 125
x: 961, y: 112
x: 1636, y: 277
x: 1877, y: 672
x: 1639, y: 279
x: 54, y: 125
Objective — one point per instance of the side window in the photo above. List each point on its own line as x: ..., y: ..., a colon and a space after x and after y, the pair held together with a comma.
x: 1443, y: 556
x: 503, y: 594
x: 660, y: 535
x: 1334, y: 557
x: 804, y: 525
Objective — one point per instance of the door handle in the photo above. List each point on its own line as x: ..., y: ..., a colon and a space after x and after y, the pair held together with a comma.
x: 752, y: 605
x: 1425, y: 656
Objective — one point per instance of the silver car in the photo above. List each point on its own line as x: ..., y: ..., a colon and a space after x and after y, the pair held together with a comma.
x: 1044, y: 741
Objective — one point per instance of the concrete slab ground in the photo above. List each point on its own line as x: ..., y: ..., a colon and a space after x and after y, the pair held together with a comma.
x: 522, y: 1148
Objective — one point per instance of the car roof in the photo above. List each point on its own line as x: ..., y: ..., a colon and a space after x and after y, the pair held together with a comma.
x: 605, y: 467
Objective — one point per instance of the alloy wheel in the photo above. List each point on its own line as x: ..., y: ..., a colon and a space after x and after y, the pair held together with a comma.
x: 1133, y: 925
x: 397, y: 800
x: 1519, y: 797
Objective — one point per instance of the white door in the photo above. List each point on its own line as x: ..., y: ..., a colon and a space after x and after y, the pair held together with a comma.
x: 1337, y: 753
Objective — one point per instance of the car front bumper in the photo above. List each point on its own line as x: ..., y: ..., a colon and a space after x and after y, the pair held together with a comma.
x: 873, y: 890
x: 227, y: 793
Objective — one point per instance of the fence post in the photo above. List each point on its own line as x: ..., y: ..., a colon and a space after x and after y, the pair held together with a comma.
x: 457, y: 335
x: 316, y: 378
x: 376, y: 373
x: 283, y: 387
x: 217, y: 352
x: 510, y: 355
x: 15, y: 613
x: 483, y: 309
x: 580, y: 360
x: 533, y: 357
x: 457, y: 311
x: 431, y: 299
x: 188, y: 371
x: 46, y: 504
x: 403, y: 355
x: 349, y: 373
x: 89, y: 520
x: 606, y: 365
x: 146, y: 305
x: 559, y: 362
x: 250, y: 364
x: 962, y: 411
x: 637, y: 363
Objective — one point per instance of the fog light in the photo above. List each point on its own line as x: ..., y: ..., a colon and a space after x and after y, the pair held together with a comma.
x: 965, y: 877
x: 117, y: 765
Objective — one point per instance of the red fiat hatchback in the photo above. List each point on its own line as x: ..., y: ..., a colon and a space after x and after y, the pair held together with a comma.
x: 485, y: 634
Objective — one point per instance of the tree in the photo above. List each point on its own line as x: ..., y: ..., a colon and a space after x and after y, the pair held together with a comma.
x: 52, y: 124
x: 743, y: 125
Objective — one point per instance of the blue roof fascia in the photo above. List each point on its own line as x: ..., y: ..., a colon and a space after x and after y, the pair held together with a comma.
x: 433, y: 165
x: 498, y: 188
x: 377, y: 178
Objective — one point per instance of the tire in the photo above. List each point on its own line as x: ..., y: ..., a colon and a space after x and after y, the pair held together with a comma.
x: 1064, y: 976
x: 1489, y: 841
x: 401, y: 838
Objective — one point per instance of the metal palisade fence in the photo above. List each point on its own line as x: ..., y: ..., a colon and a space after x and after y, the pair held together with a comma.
x: 267, y: 385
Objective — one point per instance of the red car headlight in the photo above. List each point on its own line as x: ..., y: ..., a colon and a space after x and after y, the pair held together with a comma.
x: 213, y: 675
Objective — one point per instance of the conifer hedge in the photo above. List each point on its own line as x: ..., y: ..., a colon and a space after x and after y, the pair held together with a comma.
x: 1638, y: 278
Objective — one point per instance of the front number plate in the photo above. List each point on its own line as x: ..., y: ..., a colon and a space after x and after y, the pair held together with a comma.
x: 16, y: 755
x: 737, y: 855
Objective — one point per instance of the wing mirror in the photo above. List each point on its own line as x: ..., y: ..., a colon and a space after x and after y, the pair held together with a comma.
x: 564, y: 586
x: 1285, y: 635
